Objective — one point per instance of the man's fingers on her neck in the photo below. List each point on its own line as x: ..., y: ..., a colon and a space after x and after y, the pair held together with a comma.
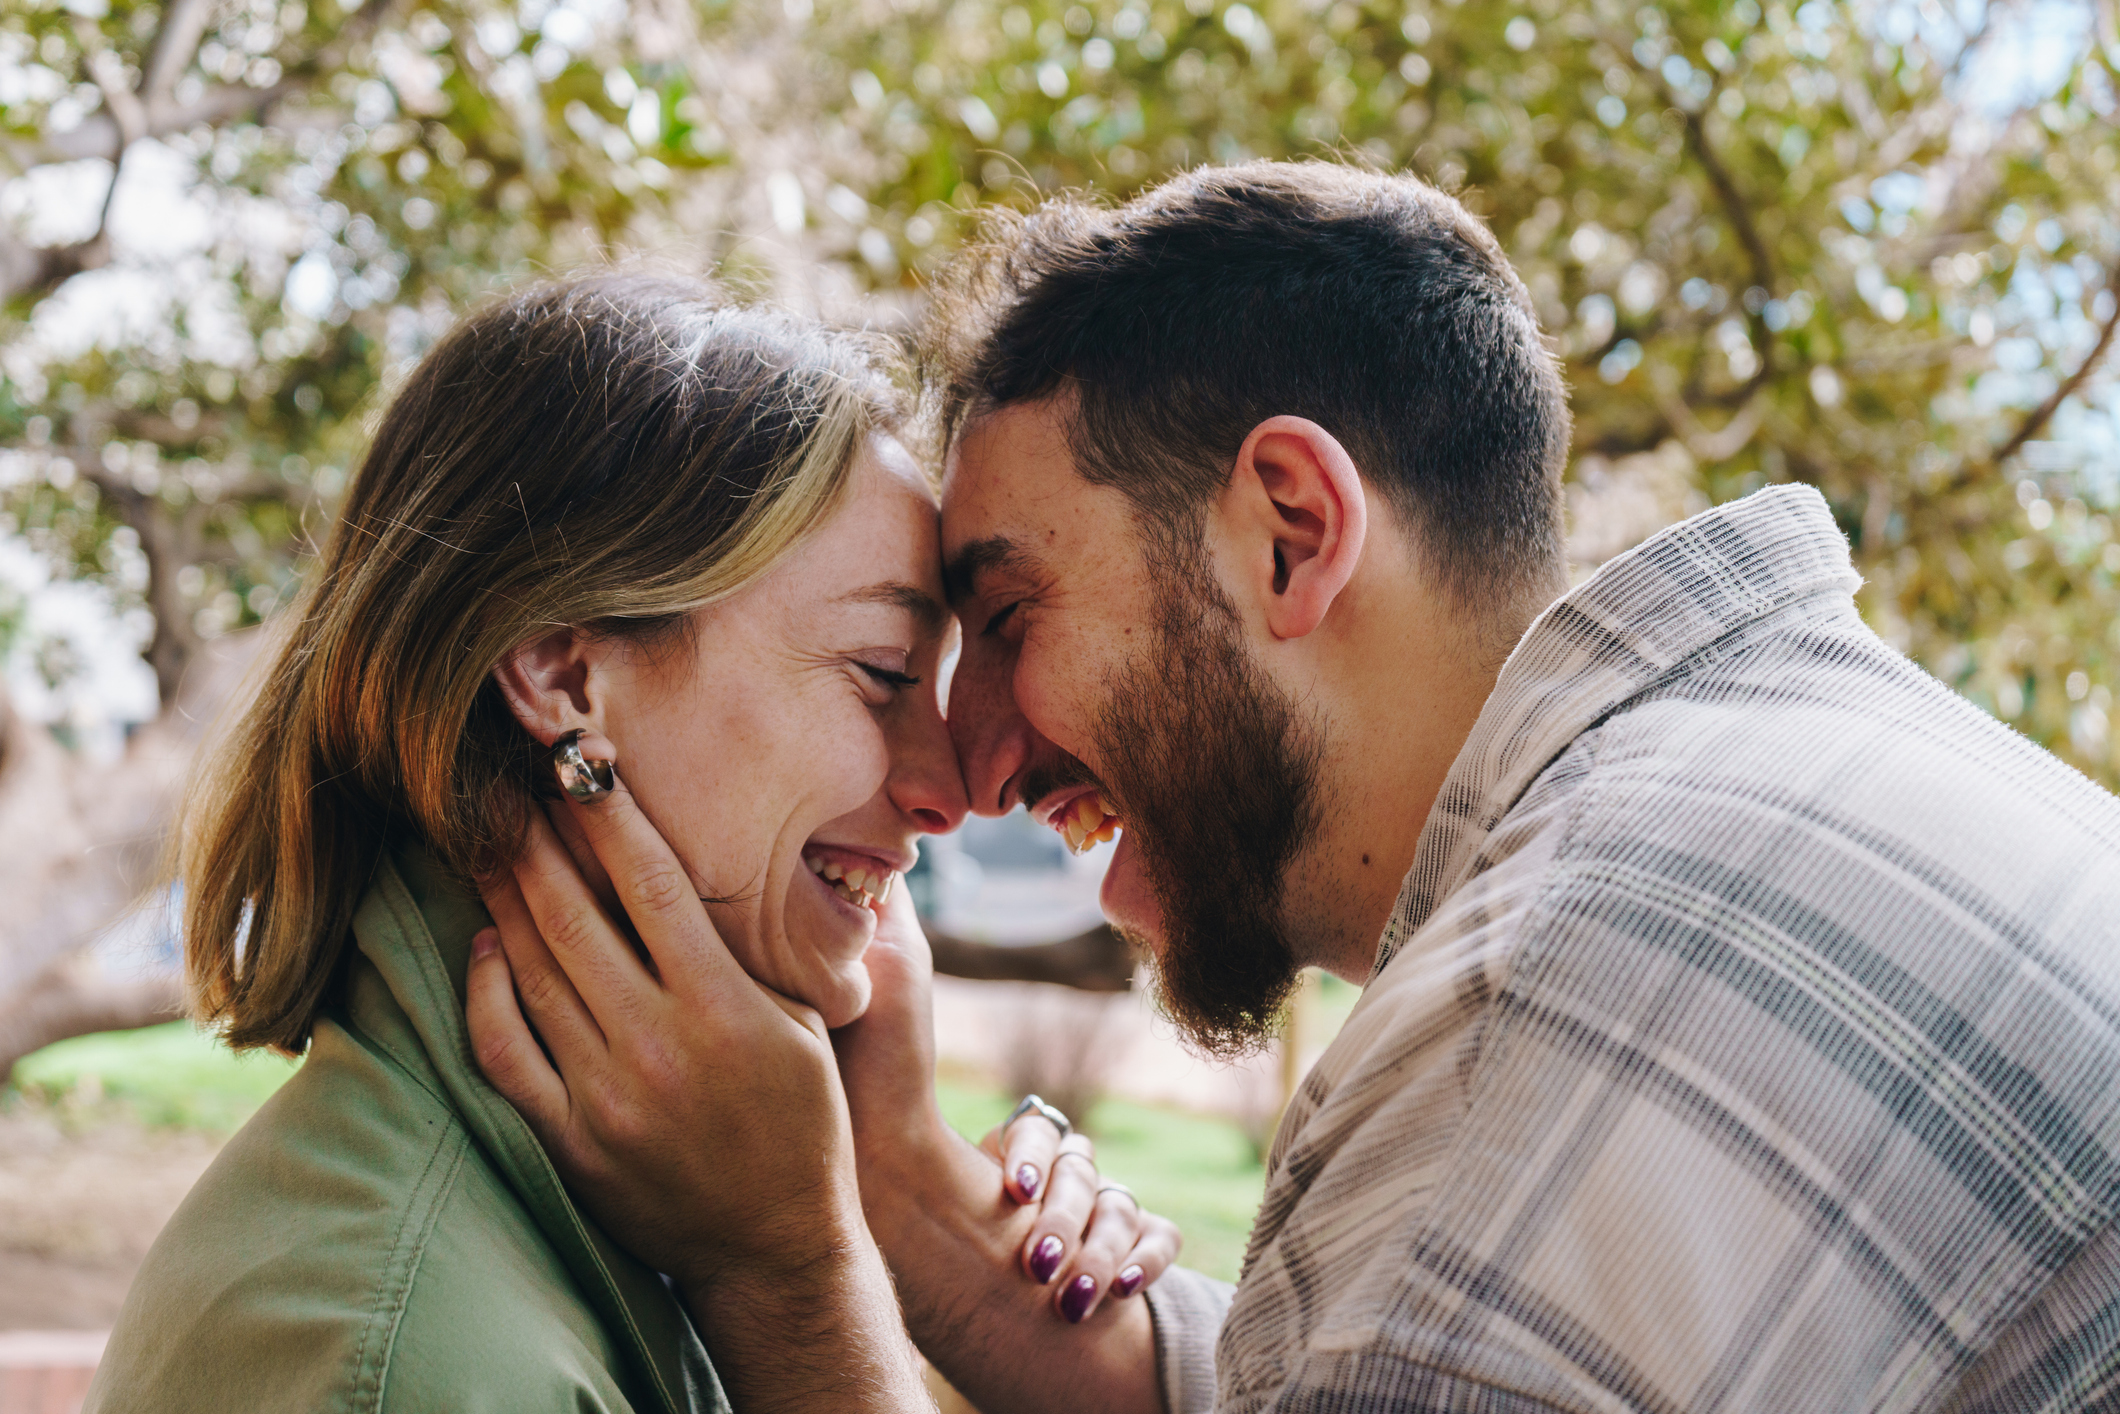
x: 568, y: 828
x: 655, y: 892
x: 565, y: 918
x: 553, y: 1006
x: 502, y: 1043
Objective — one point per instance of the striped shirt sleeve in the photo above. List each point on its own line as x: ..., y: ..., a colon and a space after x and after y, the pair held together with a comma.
x: 1187, y: 1309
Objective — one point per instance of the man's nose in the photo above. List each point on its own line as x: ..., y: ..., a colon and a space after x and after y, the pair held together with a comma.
x: 994, y: 741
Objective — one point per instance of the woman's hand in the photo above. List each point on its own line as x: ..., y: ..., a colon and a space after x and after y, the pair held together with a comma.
x: 1091, y: 1238
x: 697, y: 1115
x: 1084, y: 1243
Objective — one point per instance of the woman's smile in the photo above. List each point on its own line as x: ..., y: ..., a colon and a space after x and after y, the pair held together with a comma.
x: 856, y: 877
x: 796, y: 750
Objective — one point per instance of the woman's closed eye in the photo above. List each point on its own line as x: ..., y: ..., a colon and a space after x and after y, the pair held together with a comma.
x: 886, y: 677
x: 890, y: 675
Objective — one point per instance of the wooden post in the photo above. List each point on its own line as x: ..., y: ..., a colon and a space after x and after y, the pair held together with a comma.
x: 1293, y: 1032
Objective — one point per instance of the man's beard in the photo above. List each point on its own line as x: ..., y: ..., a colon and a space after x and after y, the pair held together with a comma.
x: 1214, y: 771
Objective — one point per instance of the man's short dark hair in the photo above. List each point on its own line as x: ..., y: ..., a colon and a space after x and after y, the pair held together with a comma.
x: 1372, y: 304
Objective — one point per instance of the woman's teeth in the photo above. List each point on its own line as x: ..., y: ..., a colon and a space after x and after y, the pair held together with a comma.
x: 1085, y: 822
x: 858, y: 886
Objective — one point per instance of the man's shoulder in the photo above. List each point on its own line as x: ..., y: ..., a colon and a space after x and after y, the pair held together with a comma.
x: 1812, y: 758
x: 1819, y: 939
x: 1814, y: 704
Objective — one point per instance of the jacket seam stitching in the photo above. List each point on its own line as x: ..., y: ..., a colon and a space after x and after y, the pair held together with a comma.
x: 406, y: 916
x: 383, y: 1304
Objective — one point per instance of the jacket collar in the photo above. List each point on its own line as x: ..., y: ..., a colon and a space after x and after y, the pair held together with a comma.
x: 1631, y: 625
x: 415, y: 927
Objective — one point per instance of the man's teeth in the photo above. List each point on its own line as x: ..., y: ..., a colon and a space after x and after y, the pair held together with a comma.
x: 1085, y: 822
x: 859, y: 886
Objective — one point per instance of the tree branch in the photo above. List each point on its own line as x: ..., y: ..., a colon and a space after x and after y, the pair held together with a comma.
x: 1628, y: 442
x: 1739, y: 214
x: 74, y: 997
x: 1736, y: 210
x: 123, y: 105
x: 2041, y: 415
x: 169, y: 544
x: 98, y: 135
x: 175, y: 44
x: 35, y: 271
x: 128, y: 115
x: 1711, y: 447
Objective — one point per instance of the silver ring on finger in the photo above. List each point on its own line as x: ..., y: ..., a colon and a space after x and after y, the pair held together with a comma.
x: 1094, y: 1175
x: 1121, y: 1189
x: 1031, y: 1104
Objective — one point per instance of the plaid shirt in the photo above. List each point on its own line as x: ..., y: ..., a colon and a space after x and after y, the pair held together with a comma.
x: 1746, y: 1036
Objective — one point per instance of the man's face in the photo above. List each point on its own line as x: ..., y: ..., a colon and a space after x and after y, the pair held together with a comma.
x: 1104, y: 672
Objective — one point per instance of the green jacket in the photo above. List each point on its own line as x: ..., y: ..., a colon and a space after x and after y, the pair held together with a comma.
x: 386, y: 1234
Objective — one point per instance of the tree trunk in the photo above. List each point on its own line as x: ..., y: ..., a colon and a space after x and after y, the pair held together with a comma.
x: 1096, y: 961
x: 76, y: 996
x: 81, y: 845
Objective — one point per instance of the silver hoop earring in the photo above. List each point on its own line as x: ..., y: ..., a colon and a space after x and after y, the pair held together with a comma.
x: 580, y: 777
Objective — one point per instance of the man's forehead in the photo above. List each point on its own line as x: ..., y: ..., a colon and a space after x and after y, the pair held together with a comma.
x: 1005, y: 469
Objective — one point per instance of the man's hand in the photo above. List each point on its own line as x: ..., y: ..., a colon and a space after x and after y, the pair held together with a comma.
x: 698, y: 1115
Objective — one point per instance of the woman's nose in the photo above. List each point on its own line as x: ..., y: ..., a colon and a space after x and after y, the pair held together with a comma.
x: 991, y: 738
x: 925, y: 781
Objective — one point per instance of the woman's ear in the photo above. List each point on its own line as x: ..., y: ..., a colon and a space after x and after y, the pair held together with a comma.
x: 550, y: 685
x: 1299, y: 513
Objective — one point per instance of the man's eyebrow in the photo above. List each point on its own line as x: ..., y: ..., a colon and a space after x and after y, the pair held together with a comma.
x: 932, y: 616
x: 995, y: 552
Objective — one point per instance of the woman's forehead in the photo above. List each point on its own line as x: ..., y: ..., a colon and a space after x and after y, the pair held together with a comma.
x: 900, y: 510
x: 879, y: 550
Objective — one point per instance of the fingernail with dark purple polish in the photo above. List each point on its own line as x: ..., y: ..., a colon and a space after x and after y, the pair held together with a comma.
x: 1128, y: 1282
x: 1045, y: 1258
x: 1027, y: 1180
x: 1074, y: 1302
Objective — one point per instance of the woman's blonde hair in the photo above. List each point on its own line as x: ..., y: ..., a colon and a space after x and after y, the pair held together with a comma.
x: 610, y: 453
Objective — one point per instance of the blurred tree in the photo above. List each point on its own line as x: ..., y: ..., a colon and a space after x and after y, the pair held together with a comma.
x: 227, y: 223
x: 1870, y: 246
x: 1867, y: 244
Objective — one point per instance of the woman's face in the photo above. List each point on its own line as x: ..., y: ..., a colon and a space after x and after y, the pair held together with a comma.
x: 794, y: 751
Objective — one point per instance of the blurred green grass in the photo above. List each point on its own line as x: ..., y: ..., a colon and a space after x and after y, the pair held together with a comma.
x: 1196, y: 1170
x: 171, y: 1076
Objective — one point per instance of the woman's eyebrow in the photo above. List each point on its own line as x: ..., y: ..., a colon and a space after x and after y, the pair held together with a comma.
x: 923, y: 605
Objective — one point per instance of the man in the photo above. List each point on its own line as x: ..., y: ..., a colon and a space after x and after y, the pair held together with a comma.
x: 1742, y: 1012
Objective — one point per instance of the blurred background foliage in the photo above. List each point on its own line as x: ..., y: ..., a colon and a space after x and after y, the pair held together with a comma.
x: 1865, y: 244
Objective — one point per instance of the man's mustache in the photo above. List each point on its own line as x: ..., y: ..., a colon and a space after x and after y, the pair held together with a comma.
x: 1066, y: 773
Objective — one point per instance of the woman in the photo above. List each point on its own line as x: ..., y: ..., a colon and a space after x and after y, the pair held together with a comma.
x: 616, y: 519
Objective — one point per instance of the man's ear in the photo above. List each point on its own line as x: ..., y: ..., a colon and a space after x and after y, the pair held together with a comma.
x: 1299, y: 513
x: 551, y: 685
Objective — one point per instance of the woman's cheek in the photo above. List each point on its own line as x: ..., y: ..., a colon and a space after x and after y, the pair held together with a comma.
x: 860, y: 763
